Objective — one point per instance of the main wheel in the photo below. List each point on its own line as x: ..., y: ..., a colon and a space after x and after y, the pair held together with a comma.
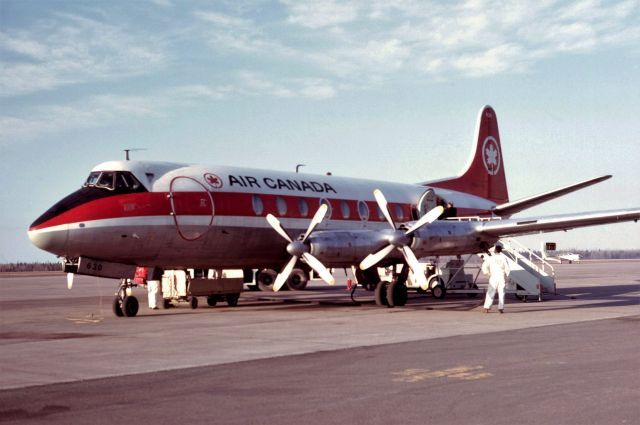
x: 130, y: 306
x: 381, y: 293
x: 297, y: 280
x: 265, y: 279
x: 368, y: 279
x: 232, y: 299
x: 117, y: 307
x: 396, y: 294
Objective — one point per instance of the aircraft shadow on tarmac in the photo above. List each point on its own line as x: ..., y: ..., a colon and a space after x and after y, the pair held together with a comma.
x: 595, y: 297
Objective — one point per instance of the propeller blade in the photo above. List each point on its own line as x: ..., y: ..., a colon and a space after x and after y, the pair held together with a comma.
x: 317, y: 219
x: 384, y: 206
x: 373, y: 259
x: 319, y: 268
x: 416, y: 267
x: 284, y: 274
x: 70, y: 280
x: 275, y: 223
x: 429, y: 217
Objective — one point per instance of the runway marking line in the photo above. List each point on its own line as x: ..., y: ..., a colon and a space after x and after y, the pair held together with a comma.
x: 86, y: 319
x: 463, y: 373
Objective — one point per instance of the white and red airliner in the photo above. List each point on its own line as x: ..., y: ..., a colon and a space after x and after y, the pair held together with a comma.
x: 175, y: 216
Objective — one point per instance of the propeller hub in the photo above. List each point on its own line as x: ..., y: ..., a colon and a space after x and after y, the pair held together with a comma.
x: 399, y: 239
x: 297, y: 248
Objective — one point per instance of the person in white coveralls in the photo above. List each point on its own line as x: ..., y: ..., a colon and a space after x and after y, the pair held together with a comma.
x: 497, y: 267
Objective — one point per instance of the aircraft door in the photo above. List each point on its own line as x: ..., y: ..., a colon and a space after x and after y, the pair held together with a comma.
x: 427, y: 202
x: 191, y: 207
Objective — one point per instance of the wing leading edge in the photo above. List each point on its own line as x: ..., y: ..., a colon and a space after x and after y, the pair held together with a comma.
x: 522, y: 226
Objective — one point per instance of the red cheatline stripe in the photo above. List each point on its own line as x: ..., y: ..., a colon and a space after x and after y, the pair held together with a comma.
x: 198, y: 203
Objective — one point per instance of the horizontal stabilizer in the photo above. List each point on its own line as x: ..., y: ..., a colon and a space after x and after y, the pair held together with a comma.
x: 524, y: 226
x: 510, y: 208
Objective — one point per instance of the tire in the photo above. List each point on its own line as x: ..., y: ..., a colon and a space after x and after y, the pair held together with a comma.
x: 193, y: 302
x: 212, y: 300
x: 381, y: 294
x: 439, y: 292
x: 396, y: 294
x: 166, y: 303
x: 265, y: 279
x: 117, y: 307
x: 130, y: 306
x: 297, y: 280
x: 437, y: 287
x: 232, y: 299
x: 368, y: 279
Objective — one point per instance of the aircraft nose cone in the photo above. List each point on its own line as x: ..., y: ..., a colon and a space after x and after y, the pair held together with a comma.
x: 53, y: 241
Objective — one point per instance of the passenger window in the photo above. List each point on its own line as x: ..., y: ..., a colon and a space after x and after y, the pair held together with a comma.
x: 363, y: 210
x: 258, y: 206
x: 281, y: 204
x: 399, y: 212
x: 381, y: 216
x: 303, y: 207
x: 344, y: 208
x: 328, y: 204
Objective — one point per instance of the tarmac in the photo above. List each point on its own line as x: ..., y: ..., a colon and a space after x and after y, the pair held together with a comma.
x: 317, y: 357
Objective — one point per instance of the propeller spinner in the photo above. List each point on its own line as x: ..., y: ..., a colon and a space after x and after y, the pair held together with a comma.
x: 401, y: 240
x: 299, y: 248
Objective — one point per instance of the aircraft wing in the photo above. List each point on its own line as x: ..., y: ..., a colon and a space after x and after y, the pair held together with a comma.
x: 522, y: 226
x: 522, y: 204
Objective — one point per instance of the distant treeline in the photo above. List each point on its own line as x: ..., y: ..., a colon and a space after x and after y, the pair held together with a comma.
x: 607, y: 254
x: 30, y: 267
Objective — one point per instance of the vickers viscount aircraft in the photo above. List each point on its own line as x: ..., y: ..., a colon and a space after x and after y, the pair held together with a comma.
x: 177, y: 216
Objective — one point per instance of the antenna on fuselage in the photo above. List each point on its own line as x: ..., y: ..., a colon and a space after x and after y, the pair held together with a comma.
x: 126, y: 152
x: 298, y: 167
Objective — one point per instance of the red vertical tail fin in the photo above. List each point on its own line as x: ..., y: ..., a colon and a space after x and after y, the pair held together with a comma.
x: 484, y: 174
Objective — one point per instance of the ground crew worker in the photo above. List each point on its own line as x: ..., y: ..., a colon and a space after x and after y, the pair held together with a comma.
x: 497, y: 267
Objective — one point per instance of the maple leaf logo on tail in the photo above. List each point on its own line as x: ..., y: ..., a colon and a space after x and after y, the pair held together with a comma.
x: 491, y: 156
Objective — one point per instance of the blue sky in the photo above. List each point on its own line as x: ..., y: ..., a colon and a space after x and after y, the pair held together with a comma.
x: 381, y: 89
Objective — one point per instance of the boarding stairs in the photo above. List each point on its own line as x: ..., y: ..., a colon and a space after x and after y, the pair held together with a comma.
x: 530, y: 275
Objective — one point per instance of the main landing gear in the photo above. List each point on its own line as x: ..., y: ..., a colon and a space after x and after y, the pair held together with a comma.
x: 125, y: 304
x: 393, y: 293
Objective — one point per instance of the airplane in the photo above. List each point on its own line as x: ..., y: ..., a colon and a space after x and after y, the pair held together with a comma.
x: 164, y: 215
x: 548, y: 253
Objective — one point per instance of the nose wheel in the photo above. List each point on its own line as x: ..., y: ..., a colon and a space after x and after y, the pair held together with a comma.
x: 125, y: 305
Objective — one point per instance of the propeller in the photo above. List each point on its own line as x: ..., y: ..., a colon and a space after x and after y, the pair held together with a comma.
x: 401, y: 240
x: 70, y: 280
x: 299, y: 248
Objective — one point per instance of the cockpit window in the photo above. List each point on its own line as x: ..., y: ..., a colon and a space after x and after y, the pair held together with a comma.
x: 126, y: 181
x: 106, y: 180
x: 118, y: 181
x: 93, y: 178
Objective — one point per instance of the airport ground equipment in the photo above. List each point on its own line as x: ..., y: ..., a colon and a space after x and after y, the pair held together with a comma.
x: 531, y: 274
x: 180, y: 287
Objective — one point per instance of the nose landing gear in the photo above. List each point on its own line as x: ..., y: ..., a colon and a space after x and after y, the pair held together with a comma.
x: 125, y: 304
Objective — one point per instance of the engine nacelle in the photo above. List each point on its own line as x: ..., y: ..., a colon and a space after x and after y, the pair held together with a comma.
x: 448, y: 238
x: 336, y: 248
